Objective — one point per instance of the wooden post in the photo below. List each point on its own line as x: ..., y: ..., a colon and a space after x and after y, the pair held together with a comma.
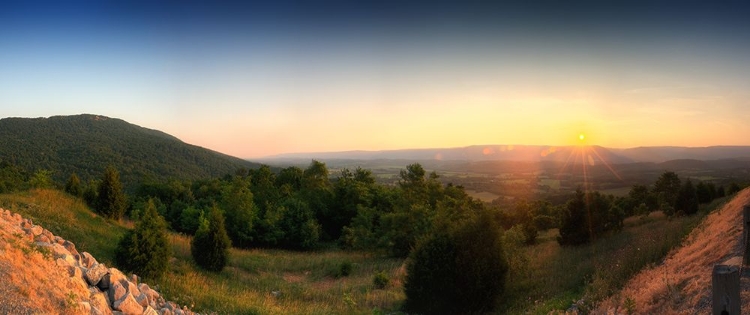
x: 745, y: 231
x: 725, y: 283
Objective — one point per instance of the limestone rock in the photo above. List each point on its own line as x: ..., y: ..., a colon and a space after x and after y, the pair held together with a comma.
x: 42, y: 239
x: 87, y: 260
x: 116, y: 275
x: 95, y: 273
x: 99, y: 301
x: 36, y: 230
x: 116, y: 291
x: 70, y: 247
x: 105, y: 282
x: 150, y: 311
x: 128, y: 305
x: 75, y: 272
x: 142, y: 299
x: 131, y: 288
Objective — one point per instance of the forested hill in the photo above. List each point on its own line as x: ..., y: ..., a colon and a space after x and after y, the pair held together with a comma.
x: 86, y: 144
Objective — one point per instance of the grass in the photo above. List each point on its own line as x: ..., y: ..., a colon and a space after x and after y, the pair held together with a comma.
x: 69, y: 218
x: 254, y: 282
x: 556, y: 277
x: 287, y: 282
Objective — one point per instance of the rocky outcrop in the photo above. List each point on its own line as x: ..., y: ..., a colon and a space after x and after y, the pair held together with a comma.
x: 110, y: 291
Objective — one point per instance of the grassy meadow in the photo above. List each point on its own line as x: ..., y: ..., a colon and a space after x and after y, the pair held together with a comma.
x: 543, y: 277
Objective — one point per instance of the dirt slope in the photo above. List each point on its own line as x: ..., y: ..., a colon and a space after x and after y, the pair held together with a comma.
x: 31, y: 281
x: 682, y: 283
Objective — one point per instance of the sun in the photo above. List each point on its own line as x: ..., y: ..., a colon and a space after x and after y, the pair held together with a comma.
x: 581, y: 137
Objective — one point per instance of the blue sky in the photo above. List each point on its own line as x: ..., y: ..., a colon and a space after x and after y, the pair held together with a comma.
x: 255, y: 79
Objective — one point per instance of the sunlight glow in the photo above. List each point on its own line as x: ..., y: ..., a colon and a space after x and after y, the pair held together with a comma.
x: 581, y: 137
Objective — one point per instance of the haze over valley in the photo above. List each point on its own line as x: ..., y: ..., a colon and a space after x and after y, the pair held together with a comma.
x: 372, y: 157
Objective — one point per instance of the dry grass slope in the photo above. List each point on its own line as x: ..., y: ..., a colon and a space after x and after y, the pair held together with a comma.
x: 682, y: 283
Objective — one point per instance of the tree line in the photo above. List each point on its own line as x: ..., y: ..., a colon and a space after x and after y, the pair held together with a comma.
x: 439, y: 226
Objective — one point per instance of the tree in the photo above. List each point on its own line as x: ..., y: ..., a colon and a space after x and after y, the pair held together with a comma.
x: 210, y: 245
x: 240, y: 212
x: 73, y: 186
x: 352, y: 190
x: 588, y: 216
x: 457, y: 269
x: 639, y: 195
x: 145, y: 249
x: 111, y: 198
x: 704, y: 193
x: 41, y: 179
x: 574, y: 224
x: 687, y: 201
x: 667, y: 188
x: 300, y: 229
x: 733, y: 189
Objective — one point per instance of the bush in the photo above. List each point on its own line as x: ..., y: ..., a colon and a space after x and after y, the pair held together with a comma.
x: 210, y: 245
x: 380, y: 280
x: 345, y: 269
x: 145, y: 250
x: 457, y: 270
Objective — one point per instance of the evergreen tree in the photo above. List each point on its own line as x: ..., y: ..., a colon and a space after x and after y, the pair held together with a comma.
x: 73, y: 186
x: 111, y: 199
x: 145, y: 249
x: 210, y: 245
x: 667, y: 188
x: 704, y: 193
x: 687, y: 201
x: 733, y: 189
x: 720, y: 192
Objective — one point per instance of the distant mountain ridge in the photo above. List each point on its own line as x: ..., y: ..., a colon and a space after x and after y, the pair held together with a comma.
x: 536, y: 153
x: 87, y: 144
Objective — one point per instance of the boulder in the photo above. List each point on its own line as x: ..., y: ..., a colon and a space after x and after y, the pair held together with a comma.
x: 95, y: 273
x: 142, y: 299
x: 42, y: 239
x: 105, y: 282
x: 128, y: 305
x: 116, y: 275
x: 165, y: 311
x: 149, y: 311
x: 48, y: 234
x: 99, y: 302
x: 70, y: 247
x: 75, y: 272
x: 116, y: 291
x: 36, y: 230
x: 87, y: 260
x: 131, y: 288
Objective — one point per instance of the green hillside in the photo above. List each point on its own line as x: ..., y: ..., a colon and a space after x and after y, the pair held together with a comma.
x: 86, y: 144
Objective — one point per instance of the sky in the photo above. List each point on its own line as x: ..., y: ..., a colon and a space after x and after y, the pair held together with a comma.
x: 258, y: 79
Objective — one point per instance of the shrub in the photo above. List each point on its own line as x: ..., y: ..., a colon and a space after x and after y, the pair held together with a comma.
x: 210, y: 245
x: 380, y: 280
x: 145, y: 249
x: 345, y: 269
x: 457, y: 270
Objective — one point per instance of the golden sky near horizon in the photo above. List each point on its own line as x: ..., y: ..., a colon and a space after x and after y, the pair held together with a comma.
x: 371, y: 78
